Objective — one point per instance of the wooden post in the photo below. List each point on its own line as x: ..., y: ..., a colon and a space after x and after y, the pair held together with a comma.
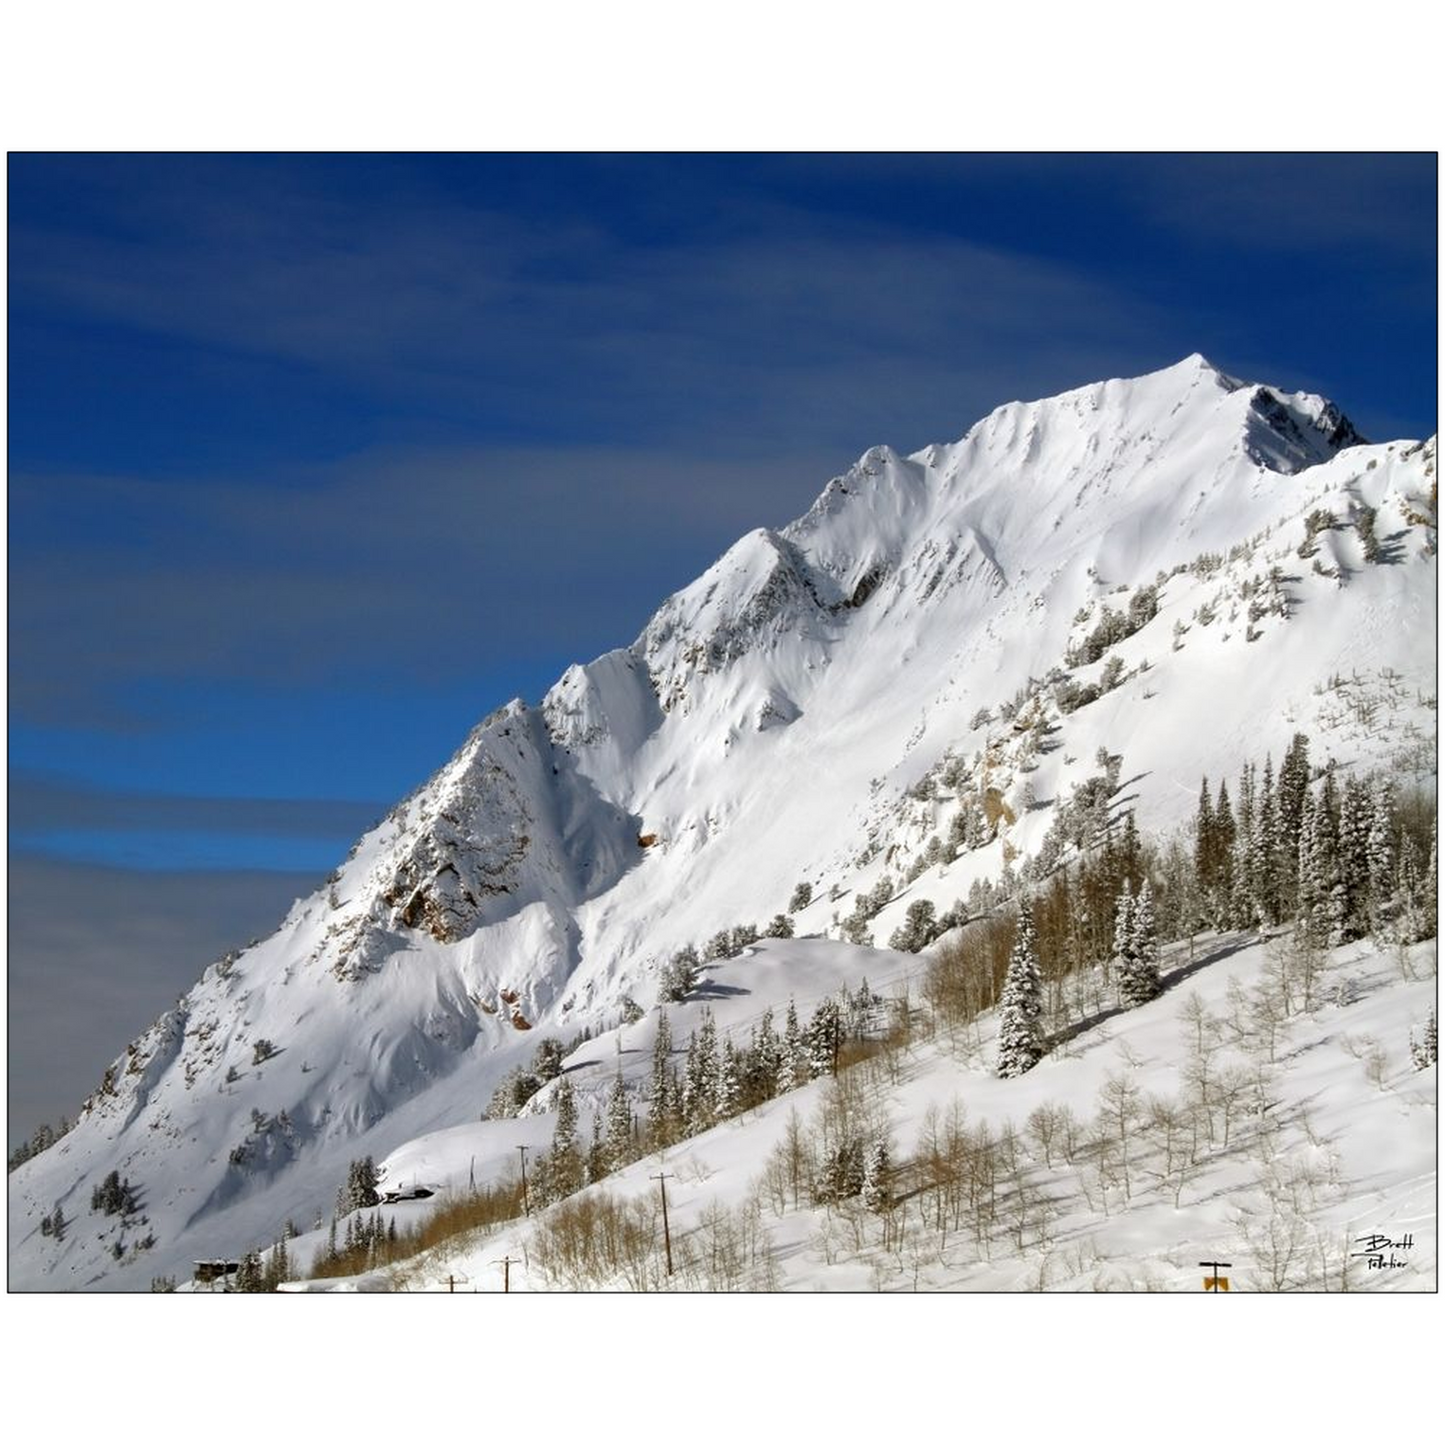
x: 522, y: 1150
x: 666, y: 1233
x: 507, y: 1262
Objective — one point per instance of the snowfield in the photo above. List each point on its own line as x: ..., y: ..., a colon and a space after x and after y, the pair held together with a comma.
x: 1334, y: 1142
x: 815, y: 708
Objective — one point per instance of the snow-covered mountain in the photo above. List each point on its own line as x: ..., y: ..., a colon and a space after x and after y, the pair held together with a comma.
x: 1257, y: 568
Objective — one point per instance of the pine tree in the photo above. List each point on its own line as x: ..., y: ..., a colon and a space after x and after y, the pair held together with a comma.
x: 547, y: 1060
x: 1309, y: 891
x: 860, y: 1011
x: 1205, y: 867
x: 727, y: 1087
x: 1123, y: 928
x: 1423, y: 1052
x: 875, y: 1177
x: 1242, y: 889
x: 793, y: 1067
x: 1139, y: 972
x: 780, y: 927
x: 1382, y: 857
x: 825, y: 1035
x: 1226, y: 832
x: 1264, y: 855
x: 249, y: 1279
x: 597, y: 1165
x: 680, y: 976
x: 1353, y: 851
x: 659, y: 1085
x: 694, y: 1090
x: 1294, y: 781
x: 564, y: 1172
x: 765, y: 1058
x: 1020, y: 1037
x: 618, y: 1142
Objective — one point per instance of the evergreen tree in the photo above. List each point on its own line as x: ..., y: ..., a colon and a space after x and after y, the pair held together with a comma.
x: 727, y: 1087
x: 1264, y: 855
x: 780, y: 927
x: 564, y: 1163
x: 1294, y: 781
x: 1020, y: 1037
x: 1242, y: 888
x: 1414, y: 897
x: 764, y: 1059
x: 597, y: 1165
x: 861, y: 1007
x: 825, y: 1036
x: 875, y: 1176
x: 695, y: 1104
x: 547, y: 1060
x: 359, y: 1191
x: 680, y: 976
x: 1130, y: 855
x: 917, y: 930
x: 249, y: 1278
x: 1139, y: 966
x: 1382, y: 856
x: 1353, y: 851
x: 660, y: 1093
x: 618, y: 1140
x: 1319, y: 897
x: 1423, y: 1052
x: 1205, y: 863
x: 1123, y: 928
x: 793, y: 1067
x: 1226, y: 831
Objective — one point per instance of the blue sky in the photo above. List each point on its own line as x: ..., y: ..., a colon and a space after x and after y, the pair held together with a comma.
x: 315, y: 460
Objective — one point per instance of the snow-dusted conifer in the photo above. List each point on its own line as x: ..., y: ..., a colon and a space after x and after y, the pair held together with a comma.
x: 825, y: 1035
x: 793, y: 1063
x: 875, y: 1176
x: 618, y: 1139
x: 1264, y: 853
x: 1020, y: 1036
x: 1353, y: 852
x: 1381, y: 846
x: 727, y: 1083
x: 1139, y: 966
x: 765, y: 1058
x: 1423, y: 1051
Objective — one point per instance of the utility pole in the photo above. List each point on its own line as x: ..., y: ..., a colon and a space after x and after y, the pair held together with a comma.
x: 506, y: 1262
x: 666, y: 1233
x: 522, y: 1150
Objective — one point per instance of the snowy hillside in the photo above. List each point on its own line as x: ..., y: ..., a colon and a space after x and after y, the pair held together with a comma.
x: 908, y: 683
x: 1096, y: 1170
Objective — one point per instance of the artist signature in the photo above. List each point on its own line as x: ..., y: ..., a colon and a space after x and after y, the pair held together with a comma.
x: 1380, y: 1251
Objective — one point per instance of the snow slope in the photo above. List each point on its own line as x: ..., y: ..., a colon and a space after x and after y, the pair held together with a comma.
x: 1324, y: 1152
x: 767, y: 727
